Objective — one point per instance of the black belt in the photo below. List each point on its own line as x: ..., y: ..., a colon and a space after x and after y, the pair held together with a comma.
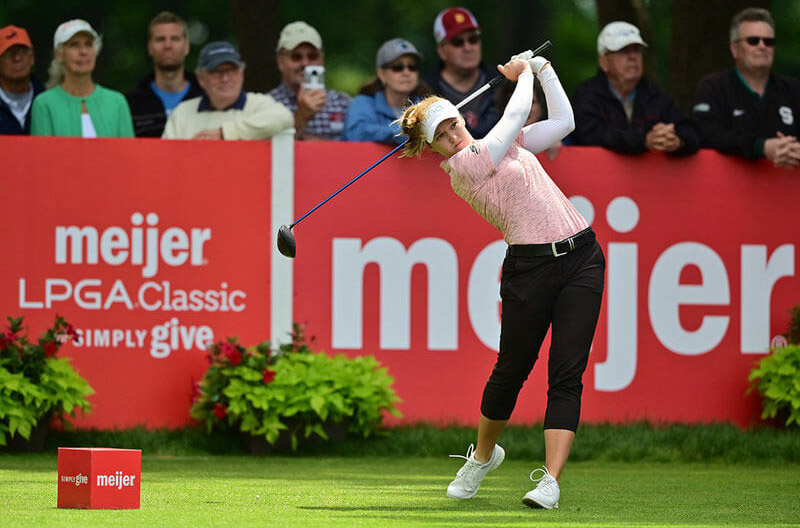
x: 553, y: 249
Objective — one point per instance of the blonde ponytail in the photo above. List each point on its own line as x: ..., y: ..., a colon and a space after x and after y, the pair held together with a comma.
x: 411, y: 126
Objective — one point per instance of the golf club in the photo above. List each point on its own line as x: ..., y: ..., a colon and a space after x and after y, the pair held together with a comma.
x: 286, y: 242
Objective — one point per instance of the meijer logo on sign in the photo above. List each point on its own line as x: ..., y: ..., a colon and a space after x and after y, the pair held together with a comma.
x: 142, y: 246
x: 116, y: 480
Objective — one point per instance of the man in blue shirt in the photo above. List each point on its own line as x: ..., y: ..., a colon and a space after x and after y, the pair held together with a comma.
x: 160, y: 92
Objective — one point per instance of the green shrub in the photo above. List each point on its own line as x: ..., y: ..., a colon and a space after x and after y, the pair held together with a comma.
x: 294, y: 390
x: 777, y: 379
x: 34, y: 383
x: 793, y: 335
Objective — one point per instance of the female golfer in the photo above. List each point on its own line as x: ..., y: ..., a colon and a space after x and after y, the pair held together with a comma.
x: 553, y: 272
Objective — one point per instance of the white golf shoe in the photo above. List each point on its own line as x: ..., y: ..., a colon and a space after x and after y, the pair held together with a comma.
x: 545, y: 494
x: 469, y: 477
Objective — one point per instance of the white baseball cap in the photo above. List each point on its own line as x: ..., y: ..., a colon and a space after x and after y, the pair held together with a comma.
x: 69, y: 29
x: 437, y: 112
x: 617, y: 35
x: 296, y: 33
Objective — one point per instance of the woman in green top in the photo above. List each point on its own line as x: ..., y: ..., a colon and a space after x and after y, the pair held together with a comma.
x: 74, y: 105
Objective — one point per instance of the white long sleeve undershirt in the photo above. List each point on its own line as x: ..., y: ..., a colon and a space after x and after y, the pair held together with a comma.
x: 540, y: 135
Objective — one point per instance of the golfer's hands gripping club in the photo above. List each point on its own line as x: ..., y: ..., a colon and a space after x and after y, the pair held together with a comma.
x: 538, y: 64
x: 525, y: 55
x: 514, y: 68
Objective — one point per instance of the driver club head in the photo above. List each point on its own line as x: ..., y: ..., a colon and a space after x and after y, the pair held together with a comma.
x: 286, y: 243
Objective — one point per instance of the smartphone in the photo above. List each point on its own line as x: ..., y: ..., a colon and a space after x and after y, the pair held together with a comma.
x: 314, y: 77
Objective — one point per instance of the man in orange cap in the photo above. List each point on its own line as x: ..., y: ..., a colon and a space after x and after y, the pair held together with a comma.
x: 17, y: 86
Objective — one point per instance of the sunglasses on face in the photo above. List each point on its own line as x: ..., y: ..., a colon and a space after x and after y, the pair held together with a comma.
x: 472, y: 39
x: 298, y: 56
x: 753, y: 41
x: 397, y: 68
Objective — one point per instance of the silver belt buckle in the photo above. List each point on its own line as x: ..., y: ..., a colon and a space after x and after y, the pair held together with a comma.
x: 555, y: 251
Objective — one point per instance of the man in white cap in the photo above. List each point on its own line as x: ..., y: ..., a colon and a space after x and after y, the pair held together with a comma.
x: 622, y: 110
x: 319, y: 113
x: 460, y: 71
x: 226, y: 111
x: 18, y: 86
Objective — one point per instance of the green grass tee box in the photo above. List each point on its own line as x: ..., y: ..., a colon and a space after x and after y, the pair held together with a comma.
x: 380, y: 491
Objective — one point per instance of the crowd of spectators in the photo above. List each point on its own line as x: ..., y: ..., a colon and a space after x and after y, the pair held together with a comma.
x: 747, y: 110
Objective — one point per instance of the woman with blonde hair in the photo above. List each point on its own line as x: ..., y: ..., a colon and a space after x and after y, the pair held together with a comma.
x: 553, y: 272
x: 74, y: 105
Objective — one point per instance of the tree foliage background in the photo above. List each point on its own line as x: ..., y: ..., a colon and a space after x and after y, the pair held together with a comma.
x: 688, y: 38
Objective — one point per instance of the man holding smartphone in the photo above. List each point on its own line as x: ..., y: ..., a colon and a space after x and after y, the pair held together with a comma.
x: 318, y: 112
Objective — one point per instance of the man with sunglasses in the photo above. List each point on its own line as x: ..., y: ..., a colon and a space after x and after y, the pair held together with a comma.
x: 18, y: 87
x: 318, y: 113
x: 622, y: 110
x: 749, y: 111
x: 460, y: 71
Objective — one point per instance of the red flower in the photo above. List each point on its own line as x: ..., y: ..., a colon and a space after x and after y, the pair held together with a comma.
x: 234, y: 356
x: 11, y: 337
x: 269, y: 375
x: 72, y: 332
x: 220, y: 411
x: 231, y: 352
x: 50, y: 349
x: 197, y: 392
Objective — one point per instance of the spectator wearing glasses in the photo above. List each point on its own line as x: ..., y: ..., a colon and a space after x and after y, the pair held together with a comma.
x: 460, y: 71
x: 622, y: 110
x: 749, y: 111
x: 380, y: 102
x: 318, y: 113
x: 18, y: 86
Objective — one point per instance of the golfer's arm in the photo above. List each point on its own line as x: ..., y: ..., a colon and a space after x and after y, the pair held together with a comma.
x: 506, y: 130
x: 560, y: 122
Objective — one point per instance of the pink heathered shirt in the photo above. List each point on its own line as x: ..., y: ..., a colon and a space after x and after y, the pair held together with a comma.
x: 517, y: 196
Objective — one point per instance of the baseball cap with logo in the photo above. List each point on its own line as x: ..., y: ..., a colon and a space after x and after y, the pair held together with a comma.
x: 617, y: 35
x: 69, y: 29
x: 215, y: 53
x: 393, y: 49
x: 296, y: 33
x: 453, y: 21
x: 13, y: 36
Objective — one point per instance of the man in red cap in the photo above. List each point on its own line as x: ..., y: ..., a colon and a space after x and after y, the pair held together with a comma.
x: 460, y: 71
x: 17, y: 86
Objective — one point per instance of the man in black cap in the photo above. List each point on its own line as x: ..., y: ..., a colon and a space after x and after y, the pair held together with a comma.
x: 226, y: 111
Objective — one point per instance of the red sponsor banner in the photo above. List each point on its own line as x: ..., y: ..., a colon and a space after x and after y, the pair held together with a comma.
x: 151, y: 249
x: 701, y: 271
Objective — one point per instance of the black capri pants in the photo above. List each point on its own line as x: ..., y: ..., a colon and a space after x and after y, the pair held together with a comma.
x: 564, y: 291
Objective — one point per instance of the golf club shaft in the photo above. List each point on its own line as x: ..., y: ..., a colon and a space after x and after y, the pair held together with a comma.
x: 348, y: 184
x: 541, y: 49
x: 544, y: 47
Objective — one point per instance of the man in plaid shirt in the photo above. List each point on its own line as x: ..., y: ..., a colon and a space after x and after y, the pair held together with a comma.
x: 318, y: 113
